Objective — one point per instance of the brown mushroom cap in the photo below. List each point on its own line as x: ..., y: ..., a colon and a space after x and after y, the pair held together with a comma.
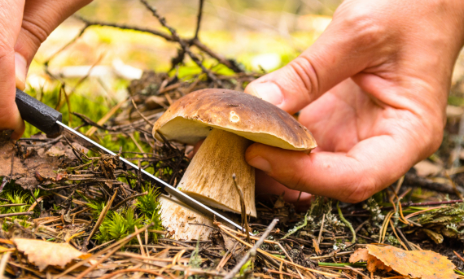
x: 191, y: 118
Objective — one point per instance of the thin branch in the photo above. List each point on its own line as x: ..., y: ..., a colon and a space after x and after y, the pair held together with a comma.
x: 182, y: 43
x: 16, y: 214
x: 252, y: 252
x: 195, y: 42
x: 101, y: 218
x: 199, y: 15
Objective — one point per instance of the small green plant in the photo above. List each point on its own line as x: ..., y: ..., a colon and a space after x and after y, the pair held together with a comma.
x: 118, y: 225
x: 195, y: 259
x: 149, y: 206
x: 14, y: 194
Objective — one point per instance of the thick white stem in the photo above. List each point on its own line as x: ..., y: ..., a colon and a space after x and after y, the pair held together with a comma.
x: 184, y: 223
x: 209, y: 176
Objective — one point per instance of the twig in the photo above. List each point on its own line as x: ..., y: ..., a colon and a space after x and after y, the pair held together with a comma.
x: 411, y: 204
x: 16, y: 214
x: 66, y: 45
x: 348, y: 224
x: 228, y: 63
x: 149, y: 271
x: 413, y: 180
x: 226, y: 231
x: 399, y: 239
x: 243, y: 209
x: 319, y: 238
x: 3, y: 263
x: 101, y: 245
x: 281, y: 273
x: 182, y: 43
x: 305, y: 223
x: 12, y: 204
x: 459, y: 256
x: 101, y: 218
x: 199, y: 15
x: 118, y: 244
x: 252, y: 252
x: 455, y: 188
x: 128, y: 199
x: 143, y: 116
x: 105, y: 118
x: 406, y: 242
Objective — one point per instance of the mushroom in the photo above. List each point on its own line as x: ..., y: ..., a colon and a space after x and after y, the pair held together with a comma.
x: 183, y: 222
x: 230, y: 121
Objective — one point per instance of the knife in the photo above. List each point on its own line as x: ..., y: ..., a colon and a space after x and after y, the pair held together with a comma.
x: 49, y: 120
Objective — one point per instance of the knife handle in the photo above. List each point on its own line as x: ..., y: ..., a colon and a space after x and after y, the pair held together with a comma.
x: 38, y: 114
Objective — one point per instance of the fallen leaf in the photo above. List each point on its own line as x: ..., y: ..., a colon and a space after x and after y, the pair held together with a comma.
x: 44, y: 253
x: 34, y: 164
x: 359, y: 255
x: 416, y: 264
x: 372, y: 262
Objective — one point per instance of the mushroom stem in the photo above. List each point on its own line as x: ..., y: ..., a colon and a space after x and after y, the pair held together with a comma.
x: 182, y: 222
x: 208, y: 178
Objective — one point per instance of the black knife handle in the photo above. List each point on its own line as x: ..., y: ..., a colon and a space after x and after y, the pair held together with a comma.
x: 38, y: 114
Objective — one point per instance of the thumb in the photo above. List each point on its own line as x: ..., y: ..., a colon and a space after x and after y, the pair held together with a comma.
x: 39, y: 20
x: 349, y: 45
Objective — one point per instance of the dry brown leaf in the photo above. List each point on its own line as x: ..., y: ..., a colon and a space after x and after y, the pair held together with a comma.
x: 372, y: 262
x: 33, y: 164
x: 43, y: 253
x: 416, y: 264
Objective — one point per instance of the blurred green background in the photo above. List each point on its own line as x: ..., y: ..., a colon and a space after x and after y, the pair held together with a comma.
x: 259, y: 34
x: 264, y: 33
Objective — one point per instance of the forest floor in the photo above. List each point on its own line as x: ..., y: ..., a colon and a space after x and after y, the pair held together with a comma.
x: 69, y: 210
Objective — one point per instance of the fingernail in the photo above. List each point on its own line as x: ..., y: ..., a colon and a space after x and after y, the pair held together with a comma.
x: 20, y: 71
x: 269, y: 92
x: 260, y: 163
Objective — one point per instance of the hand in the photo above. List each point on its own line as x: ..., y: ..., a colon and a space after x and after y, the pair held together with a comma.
x: 24, y: 25
x: 372, y: 90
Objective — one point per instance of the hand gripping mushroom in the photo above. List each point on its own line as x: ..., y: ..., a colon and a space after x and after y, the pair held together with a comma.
x: 230, y: 121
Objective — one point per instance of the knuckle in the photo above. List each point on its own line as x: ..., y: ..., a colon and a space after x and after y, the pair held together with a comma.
x: 303, y: 73
x: 38, y: 33
x: 364, y: 27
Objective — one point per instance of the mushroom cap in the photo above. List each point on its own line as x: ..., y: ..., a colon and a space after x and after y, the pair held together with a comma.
x: 192, y: 117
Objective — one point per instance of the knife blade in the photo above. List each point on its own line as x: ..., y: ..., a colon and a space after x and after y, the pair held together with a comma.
x: 49, y: 120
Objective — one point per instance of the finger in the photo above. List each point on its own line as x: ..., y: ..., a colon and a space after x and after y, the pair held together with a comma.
x: 266, y: 185
x: 351, y: 43
x: 11, y: 12
x: 349, y: 177
x: 40, y: 19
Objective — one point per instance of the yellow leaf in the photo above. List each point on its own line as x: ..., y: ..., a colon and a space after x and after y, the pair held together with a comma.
x: 359, y: 255
x: 416, y: 264
x: 43, y: 253
x: 372, y: 262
